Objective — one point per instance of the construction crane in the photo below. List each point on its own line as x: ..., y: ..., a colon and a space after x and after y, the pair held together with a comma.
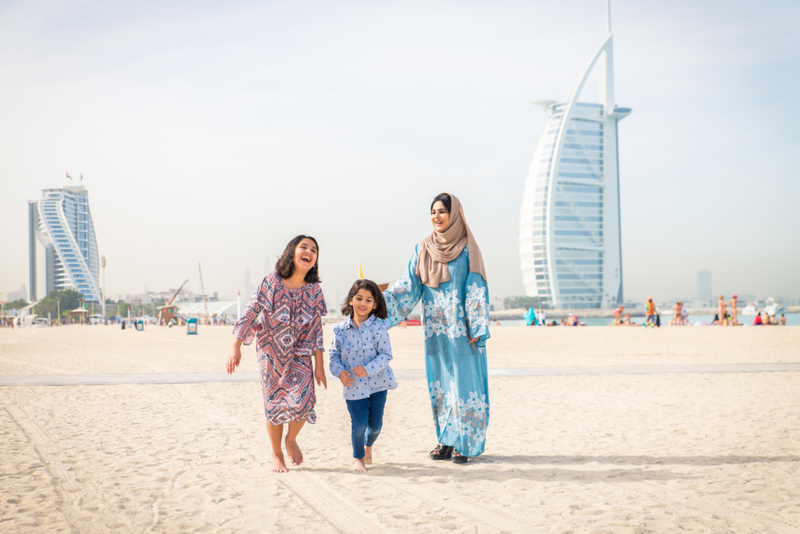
x: 167, y: 311
x: 205, y: 300
x: 178, y: 292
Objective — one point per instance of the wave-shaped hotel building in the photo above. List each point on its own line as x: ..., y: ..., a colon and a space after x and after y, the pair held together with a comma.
x: 570, y: 225
x: 62, y: 222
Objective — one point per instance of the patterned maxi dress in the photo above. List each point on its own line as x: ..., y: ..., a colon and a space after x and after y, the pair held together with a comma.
x: 456, y: 372
x: 288, y: 327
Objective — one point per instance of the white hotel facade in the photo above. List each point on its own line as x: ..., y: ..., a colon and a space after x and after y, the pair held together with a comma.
x: 62, y: 223
x: 570, y: 223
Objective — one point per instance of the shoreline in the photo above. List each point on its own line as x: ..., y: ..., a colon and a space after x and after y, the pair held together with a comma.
x: 517, y: 313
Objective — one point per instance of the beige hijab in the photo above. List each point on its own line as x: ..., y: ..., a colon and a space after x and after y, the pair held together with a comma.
x: 440, y: 248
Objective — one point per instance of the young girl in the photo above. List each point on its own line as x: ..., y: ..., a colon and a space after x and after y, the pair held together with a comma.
x: 284, y: 316
x: 360, y: 355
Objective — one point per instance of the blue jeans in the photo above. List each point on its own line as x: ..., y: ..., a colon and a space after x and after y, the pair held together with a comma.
x: 366, y: 420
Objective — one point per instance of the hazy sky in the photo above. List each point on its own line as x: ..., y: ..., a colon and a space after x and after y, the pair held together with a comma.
x: 214, y: 133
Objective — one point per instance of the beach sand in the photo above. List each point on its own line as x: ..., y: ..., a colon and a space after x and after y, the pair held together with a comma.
x: 693, y: 451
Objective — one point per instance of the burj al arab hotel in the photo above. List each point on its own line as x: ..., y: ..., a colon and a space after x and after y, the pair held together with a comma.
x: 570, y: 225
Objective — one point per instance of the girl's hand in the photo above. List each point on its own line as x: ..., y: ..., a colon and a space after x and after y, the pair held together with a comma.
x: 346, y: 379
x: 234, y: 358
x: 472, y: 341
x: 319, y: 374
x: 360, y: 371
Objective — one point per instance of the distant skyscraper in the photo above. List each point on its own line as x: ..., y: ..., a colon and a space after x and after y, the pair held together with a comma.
x: 570, y: 245
x: 62, y: 222
x: 704, y: 291
x: 249, y: 288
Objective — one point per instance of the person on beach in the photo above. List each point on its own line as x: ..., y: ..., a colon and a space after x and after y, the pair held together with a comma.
x: 285, y: 317
x: 651, y: 312
x: 618, y: 315
x: 676, y: 315
x: 359, y: 355
x: 446, y: 271
x: 721, y: 311
x: 734, y: 311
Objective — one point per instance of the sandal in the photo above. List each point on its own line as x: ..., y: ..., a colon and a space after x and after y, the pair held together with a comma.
x: 442, y: 452
x: 458, y: 458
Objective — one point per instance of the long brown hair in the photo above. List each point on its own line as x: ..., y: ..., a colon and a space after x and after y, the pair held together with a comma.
x: 380, y: 310
x: 285, y: 264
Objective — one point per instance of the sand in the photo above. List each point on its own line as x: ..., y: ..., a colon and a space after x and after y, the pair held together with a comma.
x: 693, y: 451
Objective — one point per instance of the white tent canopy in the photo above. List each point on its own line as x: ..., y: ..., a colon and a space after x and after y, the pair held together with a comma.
x: 198, y: 309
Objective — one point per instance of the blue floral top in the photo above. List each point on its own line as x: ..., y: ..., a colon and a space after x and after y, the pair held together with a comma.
x: 367, y: 346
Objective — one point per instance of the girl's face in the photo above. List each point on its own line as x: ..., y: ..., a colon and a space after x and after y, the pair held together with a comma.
x: 363, y: 304
x: 439, y: 217
x: 305, y: 255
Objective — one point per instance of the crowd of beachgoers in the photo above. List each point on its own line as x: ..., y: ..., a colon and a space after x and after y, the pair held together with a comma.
x: 727, y: 315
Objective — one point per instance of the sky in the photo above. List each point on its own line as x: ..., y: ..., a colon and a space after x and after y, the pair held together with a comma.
x: 213, y: 134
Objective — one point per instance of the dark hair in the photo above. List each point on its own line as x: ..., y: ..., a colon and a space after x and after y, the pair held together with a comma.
x: 445, y: 198
x: 285, y: 264
x: 362, y: 283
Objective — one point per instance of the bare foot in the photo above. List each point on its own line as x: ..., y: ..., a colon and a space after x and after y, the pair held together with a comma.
x: 367, y: 455
x: 294, y: 452
x: 358, y: 465
x: 278, y: 464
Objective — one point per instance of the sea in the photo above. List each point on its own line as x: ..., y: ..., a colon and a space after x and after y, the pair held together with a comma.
x: 792, y: 319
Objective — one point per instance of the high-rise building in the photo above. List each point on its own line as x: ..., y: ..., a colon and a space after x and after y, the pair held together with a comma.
x: 249, y: 287
x: 62, y: 222
x: 570, y: 245
x: 704, y: 291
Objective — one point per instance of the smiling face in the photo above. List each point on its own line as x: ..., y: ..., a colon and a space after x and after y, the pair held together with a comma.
x: 439, y: 217
x: 363, y: 304
x: 305, y: 255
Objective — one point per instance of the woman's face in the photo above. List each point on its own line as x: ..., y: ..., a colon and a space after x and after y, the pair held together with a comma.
x: 305, y: 255
x: 439, y: 217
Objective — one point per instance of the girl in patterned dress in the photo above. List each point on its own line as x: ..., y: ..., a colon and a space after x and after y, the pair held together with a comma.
x: 446, y: 272
x: 361, y: 346
x: 284, y: 316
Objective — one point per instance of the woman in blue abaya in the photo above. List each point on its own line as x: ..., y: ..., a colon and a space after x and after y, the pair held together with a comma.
x: 447, y: 273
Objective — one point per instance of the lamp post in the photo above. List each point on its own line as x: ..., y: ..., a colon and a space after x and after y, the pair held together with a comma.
x: 103, y: 292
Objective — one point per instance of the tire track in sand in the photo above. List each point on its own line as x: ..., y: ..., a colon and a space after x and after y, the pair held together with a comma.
x: 339, y: 513
x: 79, y: 504
x: 480, y: 512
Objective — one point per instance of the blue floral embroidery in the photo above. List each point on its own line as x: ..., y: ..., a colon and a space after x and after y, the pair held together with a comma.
x: 444, y: 316
x: 469, y: 418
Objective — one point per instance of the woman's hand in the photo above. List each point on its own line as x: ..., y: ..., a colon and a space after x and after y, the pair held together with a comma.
x: 346, y: 379
x: 319, y: 374
x: 472, y: 341
x: 360, y: 371
x: 234, y: 357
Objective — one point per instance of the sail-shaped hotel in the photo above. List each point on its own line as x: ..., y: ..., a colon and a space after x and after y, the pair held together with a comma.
x: 570, y: 225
